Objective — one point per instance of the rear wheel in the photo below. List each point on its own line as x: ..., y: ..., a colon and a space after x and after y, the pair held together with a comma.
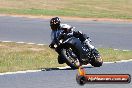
x: 71, y: 57
x: 97, y: 62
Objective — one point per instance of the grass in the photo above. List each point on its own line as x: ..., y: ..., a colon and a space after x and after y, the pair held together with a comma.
x: 16, y: 57
x: 80, y: 8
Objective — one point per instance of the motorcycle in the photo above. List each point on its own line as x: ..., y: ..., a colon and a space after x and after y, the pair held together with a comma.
x: 75, y: 54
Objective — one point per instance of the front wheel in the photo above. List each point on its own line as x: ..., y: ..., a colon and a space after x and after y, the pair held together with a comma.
x: 71, y: 57
x: 96, y: 59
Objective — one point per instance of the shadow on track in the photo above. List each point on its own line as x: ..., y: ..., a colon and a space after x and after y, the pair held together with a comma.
x: 53, y: 69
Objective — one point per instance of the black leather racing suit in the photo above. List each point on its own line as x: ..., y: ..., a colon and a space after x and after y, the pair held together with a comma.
x: 67, y: 30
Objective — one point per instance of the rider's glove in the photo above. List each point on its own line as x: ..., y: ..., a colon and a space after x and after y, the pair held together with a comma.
x: 52, y: 45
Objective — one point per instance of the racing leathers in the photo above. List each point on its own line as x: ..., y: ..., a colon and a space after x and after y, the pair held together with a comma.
x: 68, y: 31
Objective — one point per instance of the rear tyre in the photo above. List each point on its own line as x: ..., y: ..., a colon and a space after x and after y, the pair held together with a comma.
x: 71, y: 57
x: 97, y: 62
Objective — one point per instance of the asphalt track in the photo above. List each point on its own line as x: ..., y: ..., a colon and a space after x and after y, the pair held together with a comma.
x: 103, y: 34
x: 64, y: 78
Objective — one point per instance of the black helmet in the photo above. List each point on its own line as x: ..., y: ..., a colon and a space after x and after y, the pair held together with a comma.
x: 55, y: 23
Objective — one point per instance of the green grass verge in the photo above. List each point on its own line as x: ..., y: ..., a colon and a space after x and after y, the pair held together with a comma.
x: 16, y: 57
x: 80, y: 8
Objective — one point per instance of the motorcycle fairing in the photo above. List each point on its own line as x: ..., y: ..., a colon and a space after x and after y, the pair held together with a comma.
x: 78, y: 45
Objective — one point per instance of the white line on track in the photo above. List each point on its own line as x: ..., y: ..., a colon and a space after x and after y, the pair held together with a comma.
x: 40, y: 44
x: 125, y: 50
x: 66, y: 67
x: 18, y: 72
x: 20, y: 42
x: 118, y: 61
x: 122, y: 50
x: 30, y: 43
x: 6, y: 41
x: 116, y: 49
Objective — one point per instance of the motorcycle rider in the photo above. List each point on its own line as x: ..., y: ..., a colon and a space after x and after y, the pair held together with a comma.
x: 65, y: 29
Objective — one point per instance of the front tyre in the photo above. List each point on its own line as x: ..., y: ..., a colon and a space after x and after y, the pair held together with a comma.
x: 71, y: 57
x: 96, y: 59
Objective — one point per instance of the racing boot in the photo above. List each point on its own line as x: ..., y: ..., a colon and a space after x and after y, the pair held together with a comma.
x: 60, y: 60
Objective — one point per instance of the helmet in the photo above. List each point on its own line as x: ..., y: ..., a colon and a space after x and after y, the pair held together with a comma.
x: 55, y: 23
